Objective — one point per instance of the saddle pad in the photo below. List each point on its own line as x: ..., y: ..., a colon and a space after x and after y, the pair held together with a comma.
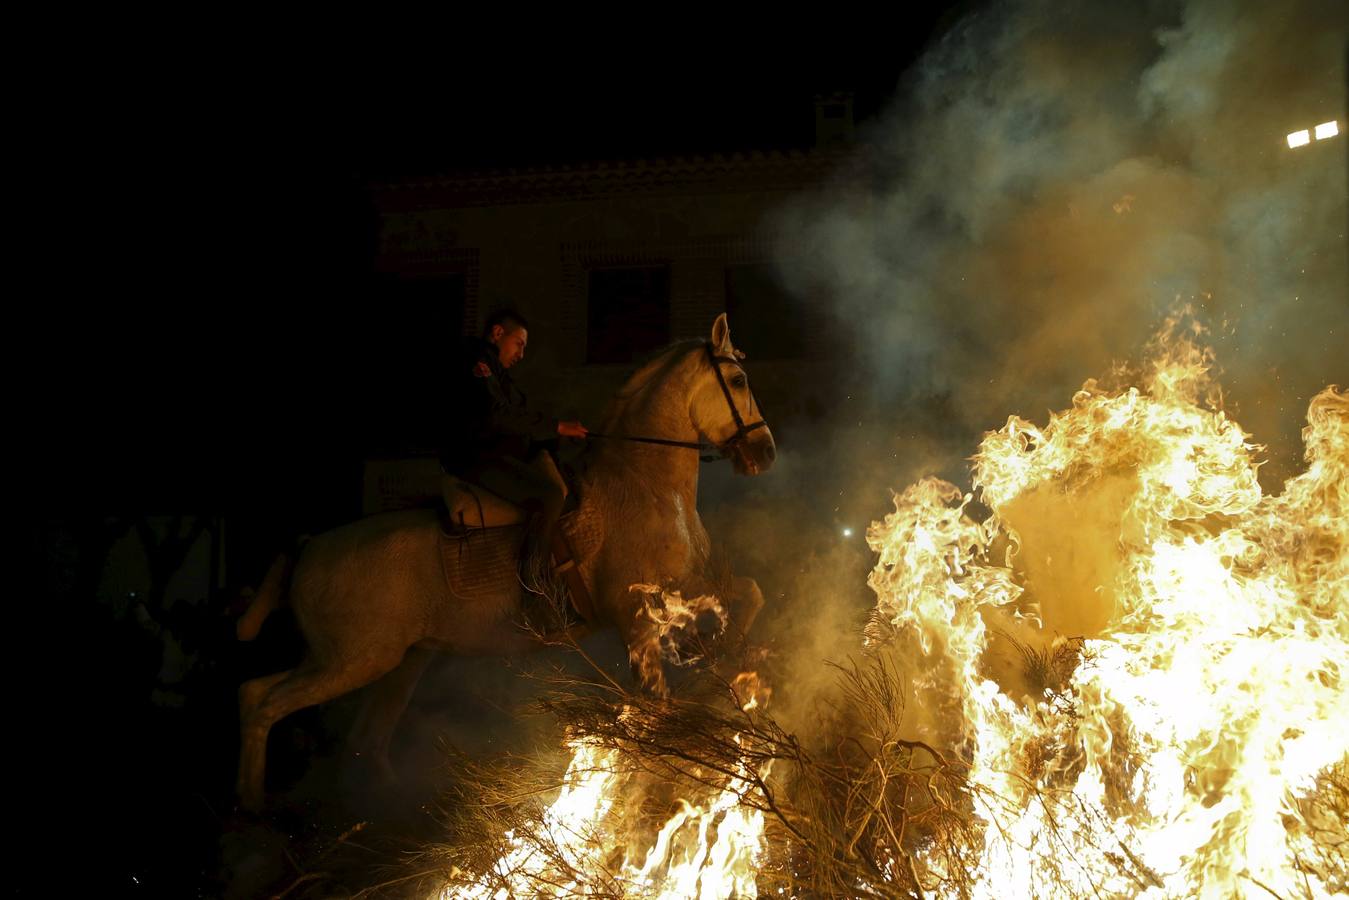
x: 484, y: 562
x: 584, y: 532
x: 481, y: 561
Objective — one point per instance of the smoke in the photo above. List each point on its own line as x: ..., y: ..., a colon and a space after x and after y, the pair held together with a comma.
x: 1049, y: 181
x: 1047, y: 185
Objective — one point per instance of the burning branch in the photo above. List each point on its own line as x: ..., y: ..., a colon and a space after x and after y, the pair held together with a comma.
x: 861, y: 814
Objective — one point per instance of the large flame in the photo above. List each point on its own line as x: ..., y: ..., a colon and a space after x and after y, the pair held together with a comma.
x: 1205, y: 628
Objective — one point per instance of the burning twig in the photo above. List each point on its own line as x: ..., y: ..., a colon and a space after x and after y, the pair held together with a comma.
x: 862, y: 814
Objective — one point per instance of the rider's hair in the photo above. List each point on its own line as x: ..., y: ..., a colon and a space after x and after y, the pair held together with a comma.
x: 509, y: 319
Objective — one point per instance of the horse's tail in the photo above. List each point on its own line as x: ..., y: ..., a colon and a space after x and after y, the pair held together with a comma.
x: 270, y: 595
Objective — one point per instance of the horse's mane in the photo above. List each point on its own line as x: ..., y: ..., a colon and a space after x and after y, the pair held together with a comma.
x: 659, y: 363
x: 622, y: 493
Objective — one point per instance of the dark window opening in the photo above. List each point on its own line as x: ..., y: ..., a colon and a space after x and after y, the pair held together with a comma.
x: 835, y: 111
x: 628, y: 313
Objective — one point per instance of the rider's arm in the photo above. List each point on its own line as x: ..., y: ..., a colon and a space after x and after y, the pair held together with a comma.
x: 509, y: 415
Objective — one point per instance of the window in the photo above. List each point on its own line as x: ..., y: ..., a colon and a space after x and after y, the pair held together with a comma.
x: 767, y: 322
x: 628, y: 313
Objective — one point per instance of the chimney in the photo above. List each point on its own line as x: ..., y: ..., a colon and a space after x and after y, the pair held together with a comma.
x: 833, y: 119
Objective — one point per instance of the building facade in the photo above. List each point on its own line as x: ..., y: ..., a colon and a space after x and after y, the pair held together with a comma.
x: 611, y: 261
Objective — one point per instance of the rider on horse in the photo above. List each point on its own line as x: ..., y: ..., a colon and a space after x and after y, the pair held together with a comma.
x: 496, y: 439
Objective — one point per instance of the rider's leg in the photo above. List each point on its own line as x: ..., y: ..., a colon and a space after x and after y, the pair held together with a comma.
x: 448, y: 489
x: 529, y: 488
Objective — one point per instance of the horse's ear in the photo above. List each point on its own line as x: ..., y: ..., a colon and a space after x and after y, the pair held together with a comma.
x: 721, y: 336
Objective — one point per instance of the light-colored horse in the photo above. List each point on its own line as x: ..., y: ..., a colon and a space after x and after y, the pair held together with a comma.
x: 375, y: 598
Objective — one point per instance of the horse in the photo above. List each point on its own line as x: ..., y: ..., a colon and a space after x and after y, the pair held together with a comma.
x: 374, y: 599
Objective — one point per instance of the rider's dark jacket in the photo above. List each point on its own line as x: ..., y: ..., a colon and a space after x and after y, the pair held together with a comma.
x: 490, y: 416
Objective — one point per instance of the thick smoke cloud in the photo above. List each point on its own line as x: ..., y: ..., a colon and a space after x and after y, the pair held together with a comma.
x: 1052, y: 179
x: 1049, y: 183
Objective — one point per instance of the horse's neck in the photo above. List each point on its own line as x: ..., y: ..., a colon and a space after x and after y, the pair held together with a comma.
x: 656, y: 407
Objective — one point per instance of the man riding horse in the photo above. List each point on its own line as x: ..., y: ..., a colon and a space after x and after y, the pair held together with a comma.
x: 375, y: 598
x: 499, y: 443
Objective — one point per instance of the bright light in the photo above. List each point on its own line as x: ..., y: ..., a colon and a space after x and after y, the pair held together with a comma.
x: 1298, y: 138
x: 1327, y: 129
x: 847, y: 532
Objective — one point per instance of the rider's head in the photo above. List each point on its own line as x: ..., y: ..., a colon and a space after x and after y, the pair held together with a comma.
x: 508, y: 331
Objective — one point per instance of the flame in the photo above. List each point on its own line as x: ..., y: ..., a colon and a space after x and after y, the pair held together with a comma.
x: 709, y: 848
x: 686, y: 861
x: 1206, y: 690
x: 749, y: 690
x: 571, y: 824
x: 674, y: 620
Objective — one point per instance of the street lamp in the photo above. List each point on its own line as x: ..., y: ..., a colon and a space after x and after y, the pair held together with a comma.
x: 1322, y: 131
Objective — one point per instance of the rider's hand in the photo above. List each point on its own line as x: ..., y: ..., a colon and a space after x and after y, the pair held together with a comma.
x: 572, y: 429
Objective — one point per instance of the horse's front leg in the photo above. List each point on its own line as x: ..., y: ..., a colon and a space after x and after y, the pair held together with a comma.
x: 740, y: 600
x: 641, y: 635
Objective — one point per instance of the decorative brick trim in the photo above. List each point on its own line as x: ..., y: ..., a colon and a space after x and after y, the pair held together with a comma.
x: 433, y: 260
x: 734, y: 173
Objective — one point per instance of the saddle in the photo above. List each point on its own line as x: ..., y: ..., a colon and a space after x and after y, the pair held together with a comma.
x: 469, y: 505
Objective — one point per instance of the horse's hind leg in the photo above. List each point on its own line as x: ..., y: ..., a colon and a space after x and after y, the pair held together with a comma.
x: 384, y: 705
x: 252, y: 744
x: 265, y: 701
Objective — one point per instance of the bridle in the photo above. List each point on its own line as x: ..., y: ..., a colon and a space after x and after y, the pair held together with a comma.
x: 730, y: 445
x: 741, y: 429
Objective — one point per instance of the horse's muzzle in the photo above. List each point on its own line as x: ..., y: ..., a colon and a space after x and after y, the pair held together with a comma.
x: 754, y: 456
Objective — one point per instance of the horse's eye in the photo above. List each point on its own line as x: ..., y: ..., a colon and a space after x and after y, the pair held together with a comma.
x: 738, y: 381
